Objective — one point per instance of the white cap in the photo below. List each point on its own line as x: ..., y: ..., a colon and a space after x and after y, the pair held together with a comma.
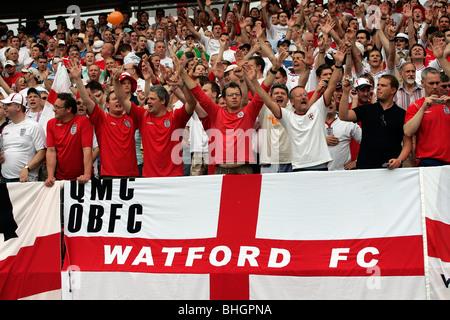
x: 14, y: 98
x: 402, y: 36
x: 362, y: 82
x: 230, y: 67
x: 97, y: 45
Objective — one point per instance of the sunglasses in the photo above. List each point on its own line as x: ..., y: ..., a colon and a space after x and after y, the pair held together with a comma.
x: 383, y: 121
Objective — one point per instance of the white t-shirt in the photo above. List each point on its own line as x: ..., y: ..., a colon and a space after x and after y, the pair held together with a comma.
x: 344, y: 131
x: 274, y: 140
x: 166, y: 62
x: 21, y: 141
x: 42, y: 117
x: 308, y: 142
x: 197, y: 136
x: 276, y: 32
x: 211, y: 45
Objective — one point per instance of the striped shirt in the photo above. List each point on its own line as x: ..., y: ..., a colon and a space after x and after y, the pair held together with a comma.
x: 404, y: 99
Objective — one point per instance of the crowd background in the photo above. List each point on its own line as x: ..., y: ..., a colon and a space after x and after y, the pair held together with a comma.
x: 384, y: 44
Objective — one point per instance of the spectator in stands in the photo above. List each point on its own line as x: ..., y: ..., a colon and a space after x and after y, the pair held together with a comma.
x: 409, y: 91
x: 24, y: 145
x: 339, y: 135
x: 69, y: 143
x: 12, y: 74
x: 428, y: 118
x: 38, y: 111
x: 234, y: 154
x: 115, y: 132
x: 382, y: 132
x: 156, y: 125
x: 305, y: 125
x: 276, y: 152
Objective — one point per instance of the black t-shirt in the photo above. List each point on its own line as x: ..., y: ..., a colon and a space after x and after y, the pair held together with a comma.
x: 382, y: 134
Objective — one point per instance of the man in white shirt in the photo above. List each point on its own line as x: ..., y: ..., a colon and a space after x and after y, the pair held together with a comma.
x: 305, y: 125
x: 339, y: 134
x: 37, y: 110
x: 275, y: 153
x: 160, y: 50
x: 24, y: 144
x: 278, y: 31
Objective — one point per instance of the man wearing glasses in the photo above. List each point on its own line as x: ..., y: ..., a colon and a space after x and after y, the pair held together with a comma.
x: 233, y: 126
x: 383, y: 143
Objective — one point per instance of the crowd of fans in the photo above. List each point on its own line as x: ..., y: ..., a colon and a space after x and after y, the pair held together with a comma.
x: 257, y: 87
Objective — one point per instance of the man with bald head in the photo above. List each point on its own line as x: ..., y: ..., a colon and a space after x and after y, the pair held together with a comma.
x: 106, y: 52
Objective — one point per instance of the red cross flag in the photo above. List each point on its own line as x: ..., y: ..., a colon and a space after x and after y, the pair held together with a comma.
x: 61, y: 84
x: 340, y: 235
x: 30, y: 236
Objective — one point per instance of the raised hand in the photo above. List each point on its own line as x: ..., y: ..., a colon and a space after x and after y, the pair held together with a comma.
x: 250, y: 72
x: 339, y: 56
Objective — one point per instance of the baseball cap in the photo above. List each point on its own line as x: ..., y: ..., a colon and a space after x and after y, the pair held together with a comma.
x: 230, y: 67
x: 97, y: 45
x: 246, y: 46
x: 14, y: 98
x: 34, y: 90
x: 34, y: 71
x: 61, y: 42
x: 10, y: 63
x: 401, y: 36
x: 282, y: 41
x: 362, y: 82
x: 133, y: 81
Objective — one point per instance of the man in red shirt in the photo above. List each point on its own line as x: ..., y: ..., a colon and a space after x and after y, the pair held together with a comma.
x: 161, y: 129
x: 428, y: 118
x: 13, y: 75
x: 232, y: 128
x: 115, y: 132
x: 69, y: 141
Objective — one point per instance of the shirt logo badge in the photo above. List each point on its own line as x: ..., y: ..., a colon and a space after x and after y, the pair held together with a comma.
x: 23, y: 131
x: 73, y: 129
x: 127, y: 123
x: 446, y: 110
x: 240, y: 114
x: 167, y: 123
x: 311, y: 116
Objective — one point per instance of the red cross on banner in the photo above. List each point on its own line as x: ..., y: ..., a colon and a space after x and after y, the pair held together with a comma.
x: 236, y: 256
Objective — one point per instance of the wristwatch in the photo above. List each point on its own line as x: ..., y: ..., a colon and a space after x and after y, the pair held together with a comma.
x: 28, y: 168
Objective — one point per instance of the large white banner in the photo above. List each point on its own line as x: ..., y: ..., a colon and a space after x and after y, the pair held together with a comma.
x: 367, y: 234
x: 308, y: 235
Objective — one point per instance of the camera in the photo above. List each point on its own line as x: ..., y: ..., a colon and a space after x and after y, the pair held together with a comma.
x: 350, y: 80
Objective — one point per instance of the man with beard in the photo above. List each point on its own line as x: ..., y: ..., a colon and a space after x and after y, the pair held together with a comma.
x: 409, y: 91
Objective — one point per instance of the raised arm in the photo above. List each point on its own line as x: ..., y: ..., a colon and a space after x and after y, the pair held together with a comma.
x: 344, y: 113
x: 336, y: 76
x: 120, y: 93
x: 75, y: 76
x: 190, y: 100
x: 251, y: 76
